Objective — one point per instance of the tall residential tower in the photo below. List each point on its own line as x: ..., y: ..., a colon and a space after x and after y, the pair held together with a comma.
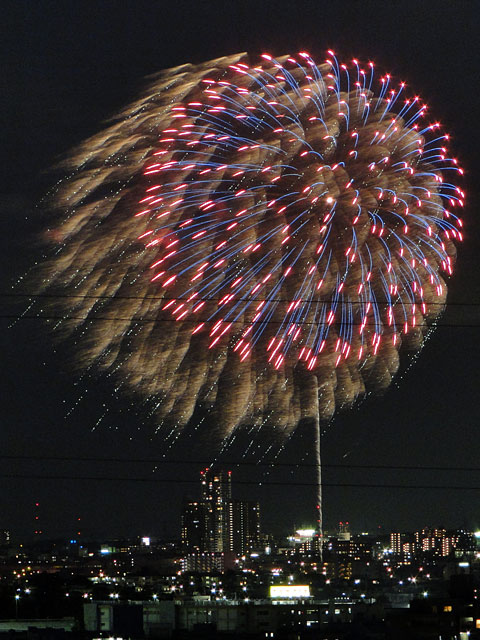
x: 217, y: 523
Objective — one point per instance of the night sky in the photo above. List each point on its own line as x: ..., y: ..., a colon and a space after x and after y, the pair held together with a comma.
x: 66, y: 67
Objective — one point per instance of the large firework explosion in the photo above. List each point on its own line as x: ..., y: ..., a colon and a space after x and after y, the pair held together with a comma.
x: 263, y: 236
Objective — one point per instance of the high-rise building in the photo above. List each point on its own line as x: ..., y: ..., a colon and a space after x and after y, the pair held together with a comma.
x: 246, y: 526
x: 216, y: 523
x: 194, y: 530
x: 217, y: 499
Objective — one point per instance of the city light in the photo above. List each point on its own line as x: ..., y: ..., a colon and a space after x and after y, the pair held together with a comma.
x: 290, y: 591
x: 305, y: 533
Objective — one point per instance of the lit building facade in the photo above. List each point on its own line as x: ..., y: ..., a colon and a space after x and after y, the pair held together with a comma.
x: 246, y: 526
x: 217, y: 523
x: 194, y: 529
x: 217, y: 499
x: 396, y: 543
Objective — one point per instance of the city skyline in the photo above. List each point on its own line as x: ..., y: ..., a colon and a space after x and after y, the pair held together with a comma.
x: 61, y: 85
x: 212, y: 521
x: 426, y: 580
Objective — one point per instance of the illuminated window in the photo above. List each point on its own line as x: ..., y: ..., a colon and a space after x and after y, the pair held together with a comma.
x: 447, y: 608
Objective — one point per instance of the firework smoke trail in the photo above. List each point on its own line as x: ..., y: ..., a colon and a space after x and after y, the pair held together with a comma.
x: 264, y: 235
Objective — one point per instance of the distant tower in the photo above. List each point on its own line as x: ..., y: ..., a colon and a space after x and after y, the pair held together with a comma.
x: 343, y: 531
x: 217, y: 498
x: 36, y: 515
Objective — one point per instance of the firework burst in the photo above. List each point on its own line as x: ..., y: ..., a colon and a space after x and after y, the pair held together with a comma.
x: 263, y: 237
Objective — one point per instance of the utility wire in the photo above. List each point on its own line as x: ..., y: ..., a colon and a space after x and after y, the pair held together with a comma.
x: 196, y: 299
x: 240, y: 482
x: 237, y: 463
x: 195, y: 320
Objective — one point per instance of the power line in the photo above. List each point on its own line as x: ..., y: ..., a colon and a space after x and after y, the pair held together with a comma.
x: 240, y: 482
x: 196, y: 299
x: 195, y: 320
x: 235, y: 463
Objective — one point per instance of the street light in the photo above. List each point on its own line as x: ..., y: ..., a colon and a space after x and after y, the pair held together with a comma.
x: 17, y: 598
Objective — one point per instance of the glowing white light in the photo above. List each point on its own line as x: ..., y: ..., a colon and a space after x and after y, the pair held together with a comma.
x: 290, y: 591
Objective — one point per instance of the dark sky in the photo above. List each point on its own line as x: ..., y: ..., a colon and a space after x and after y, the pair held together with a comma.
x: 67, y: 66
